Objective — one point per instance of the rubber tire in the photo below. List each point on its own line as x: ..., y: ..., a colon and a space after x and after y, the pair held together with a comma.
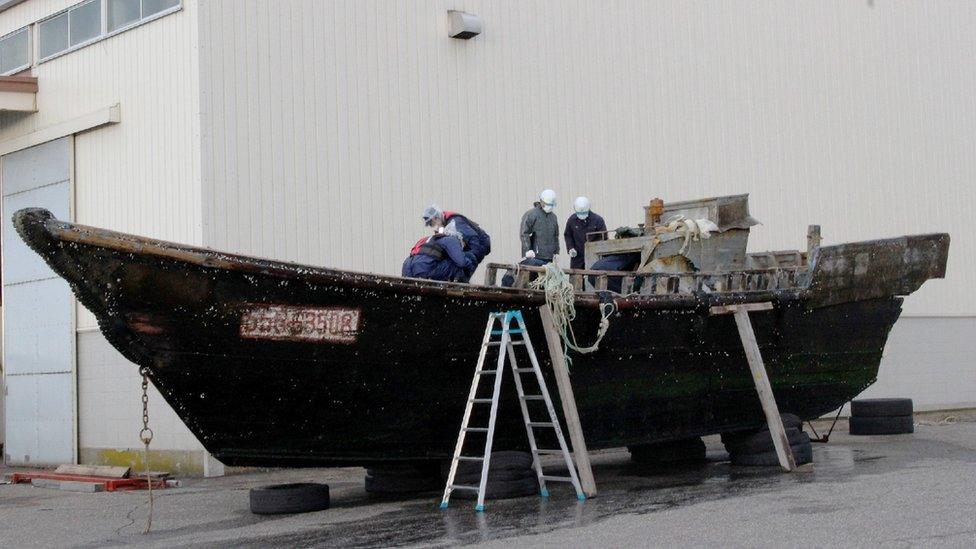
x: 500, y: 461
x: 756, y: 436
x: 891, y: 425
x: 496, y: 476
x: 790, y: 421
x: 401, y: 485
x: 684, y: 450
x: 301, y: 497
x: 762, y: 442
x: 802, y: 453
x: 881, y: 407
x: 503, y: 489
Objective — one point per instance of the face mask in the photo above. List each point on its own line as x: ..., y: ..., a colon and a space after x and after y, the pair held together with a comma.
x: 547, y: 208
x: 583, y: 215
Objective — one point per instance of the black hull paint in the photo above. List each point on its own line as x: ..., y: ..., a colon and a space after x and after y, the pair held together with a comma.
x: 666, y: 369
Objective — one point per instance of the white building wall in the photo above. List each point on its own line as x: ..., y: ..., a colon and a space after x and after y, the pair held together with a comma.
x: 328, y: 126
x: 930, y: 359
x: 141, y: 175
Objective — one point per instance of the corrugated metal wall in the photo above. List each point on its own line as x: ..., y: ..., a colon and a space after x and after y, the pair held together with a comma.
x: 141, y: 176
x: 29, y: 12
x: 327, y: 126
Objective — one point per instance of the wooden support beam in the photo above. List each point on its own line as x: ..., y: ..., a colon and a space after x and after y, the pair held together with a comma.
x: 578, y: 282
x: 627, y: 286
x: 491, y: 275
x: 813, y: 240
x: 569, y: 402
x: 760, y: 377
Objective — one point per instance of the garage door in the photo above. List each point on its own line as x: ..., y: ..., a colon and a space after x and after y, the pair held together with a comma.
x: 38, y: 324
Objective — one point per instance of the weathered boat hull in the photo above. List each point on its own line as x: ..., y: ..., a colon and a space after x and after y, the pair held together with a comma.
x: 270, y: 363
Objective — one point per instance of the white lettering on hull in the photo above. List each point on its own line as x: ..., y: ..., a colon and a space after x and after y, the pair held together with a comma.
x: 291, y: 323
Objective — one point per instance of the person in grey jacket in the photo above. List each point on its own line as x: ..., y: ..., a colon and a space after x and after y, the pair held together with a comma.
x: 540, y: 229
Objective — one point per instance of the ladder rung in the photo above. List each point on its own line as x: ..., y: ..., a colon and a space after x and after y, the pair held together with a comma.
x: 510, y: 342
x: 524, y: 370
x: 541, y: 424
x: 486, y: 372
x: 470, y: 458
x: 532, y: 397
x: 556, y: 479
x: 512, y: 331
x: 464, y: 487
x: 548, y: 452
x: 480, y: 401
x: 476, y: 429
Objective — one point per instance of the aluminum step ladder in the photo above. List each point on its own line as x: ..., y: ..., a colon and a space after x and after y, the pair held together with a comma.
x: 502, y: 339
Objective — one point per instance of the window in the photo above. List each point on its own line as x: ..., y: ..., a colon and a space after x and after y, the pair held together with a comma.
x: 122, y: 13
x: 14, y: 52
x: 83, y: 23
x: 152, y: 7
x: 53, y: 35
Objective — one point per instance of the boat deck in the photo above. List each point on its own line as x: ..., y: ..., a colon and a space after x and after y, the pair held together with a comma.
x: 649, y: 283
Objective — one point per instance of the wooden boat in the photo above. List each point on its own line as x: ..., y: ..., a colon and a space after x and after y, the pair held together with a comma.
x: 272, y: 363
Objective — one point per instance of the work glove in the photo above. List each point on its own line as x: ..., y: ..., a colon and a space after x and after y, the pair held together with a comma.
x: 572, y: 252
x: 530, y: 254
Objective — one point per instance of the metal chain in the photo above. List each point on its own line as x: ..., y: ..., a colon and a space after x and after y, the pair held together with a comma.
x: 146, y: 436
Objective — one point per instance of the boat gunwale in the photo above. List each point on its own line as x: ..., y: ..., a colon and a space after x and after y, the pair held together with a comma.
x: 70, y: 232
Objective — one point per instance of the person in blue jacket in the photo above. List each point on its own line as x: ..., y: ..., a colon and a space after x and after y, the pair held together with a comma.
x: 616, y: 262
x: 440, y: 257
x: 476, y: 240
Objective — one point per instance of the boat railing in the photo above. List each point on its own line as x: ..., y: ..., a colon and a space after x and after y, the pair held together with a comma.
x: 745, y: 280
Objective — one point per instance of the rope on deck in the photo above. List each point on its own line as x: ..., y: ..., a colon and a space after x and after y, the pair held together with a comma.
x: 561, y: 298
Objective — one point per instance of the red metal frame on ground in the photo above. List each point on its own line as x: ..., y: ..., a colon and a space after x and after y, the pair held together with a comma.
x: 111, y: 484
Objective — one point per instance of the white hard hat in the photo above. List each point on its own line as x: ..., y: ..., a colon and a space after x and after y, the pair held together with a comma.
x: 581, y: 204
x: 548, y: 197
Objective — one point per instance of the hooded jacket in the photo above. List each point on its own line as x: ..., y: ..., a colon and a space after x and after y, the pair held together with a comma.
x: 476, y: 240
x: 540, y: 233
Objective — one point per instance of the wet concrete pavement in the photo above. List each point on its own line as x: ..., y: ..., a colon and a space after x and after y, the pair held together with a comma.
x: 897, y: 491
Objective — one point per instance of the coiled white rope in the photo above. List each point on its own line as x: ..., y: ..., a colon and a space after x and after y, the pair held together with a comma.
x: 561, y: 300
